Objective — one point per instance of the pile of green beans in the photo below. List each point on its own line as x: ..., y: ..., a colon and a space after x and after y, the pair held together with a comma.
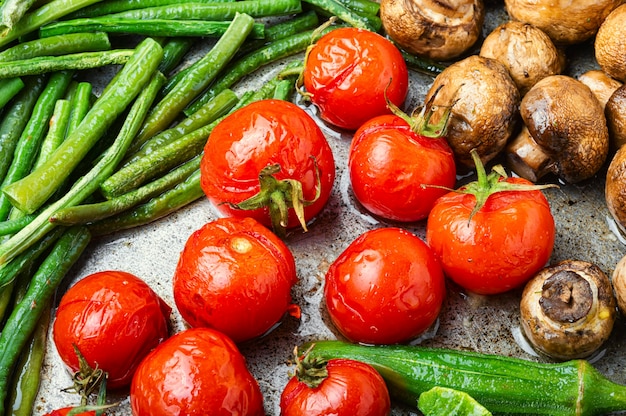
x: 75, y: 164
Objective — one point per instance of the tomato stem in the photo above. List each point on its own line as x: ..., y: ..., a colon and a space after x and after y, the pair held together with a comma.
x: 421, y: 124
x: 310, y: 371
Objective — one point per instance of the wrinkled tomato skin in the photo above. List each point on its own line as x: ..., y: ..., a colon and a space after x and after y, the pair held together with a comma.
x: 64, y: 411
x: 386, y: 287
x: 263, y: 133
x: 391, y: 167
x: 506, y: 242
x: 352, y: 388
x: 348, y: 72
x: 197, y: 371
x: 236, y: 276
x: 115, y: 319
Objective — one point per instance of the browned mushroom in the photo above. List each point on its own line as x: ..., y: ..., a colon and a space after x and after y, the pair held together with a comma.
x: 566, y: 132
x: 615, y: 112
x: 610, y: 44
x: 484, y: 113
x: 436, y: 29
x: 526, y: 51
x: 618, y: 280
x: 602, y: 85
x: 566, y: 22
x: 615, y: 188
x: 568, y: 310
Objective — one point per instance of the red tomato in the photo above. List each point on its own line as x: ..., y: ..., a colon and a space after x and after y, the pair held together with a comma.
x: 386, y: 287
x: 265, y: 133
x: 64, y: 411
x: 507, y: 241
x: 348, y: 72
x: 389, y: 165
x: 196, y: 372
x: 115, y: 319
x: 236, y: 276
x: 352, y: 388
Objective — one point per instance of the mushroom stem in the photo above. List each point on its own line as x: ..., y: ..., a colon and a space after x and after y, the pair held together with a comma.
x: 526, y: 158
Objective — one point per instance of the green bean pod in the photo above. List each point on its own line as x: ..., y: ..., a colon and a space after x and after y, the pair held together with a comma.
x: 347, y: 15
x: 116, y: 6
x: 57, y: 45
x: 173, y: 52
x: 504, y: 385
x: 56, y: 131
x: 23, y: 320
x: 9, y: 87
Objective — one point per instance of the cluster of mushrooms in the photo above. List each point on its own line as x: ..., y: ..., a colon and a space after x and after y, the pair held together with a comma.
x: 511, y: 99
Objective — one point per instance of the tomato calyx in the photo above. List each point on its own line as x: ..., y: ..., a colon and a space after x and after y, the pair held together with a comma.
x: 311, y: 371
x: 279, y: 196
x: 420, y: 123
x: 494, y: 182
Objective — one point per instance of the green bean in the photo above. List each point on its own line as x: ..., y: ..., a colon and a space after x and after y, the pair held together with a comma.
x: 173, y: 52
x: 205, y: 70
x: 80, y: 104
x: 272, y: 52
x: 12, y: 11
x: 6, y: 295
x: 216, y: 11
x: 56, y: 132
x: 45, y: 14
x: 30, y: 192
x: 116, y: 6
x: 423, y: 65
x: 362, y: 7
x: 57, y: 45
x: 9, y: 87
x: 335, y: 8
x: 12, y: 226
x: 13, y: 123
x: 158, y: 207
x: 88, y: 213
x: 23, y: 320
x: 152, y: 27
x: 32, y: 135
x: 90, y: 182
x: 73, y: 61
x: 220, y: 105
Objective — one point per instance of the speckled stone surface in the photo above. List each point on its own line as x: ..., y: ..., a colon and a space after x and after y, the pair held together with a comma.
x: 477, y: 323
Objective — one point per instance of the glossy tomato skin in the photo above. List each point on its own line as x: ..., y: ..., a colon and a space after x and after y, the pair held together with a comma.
x: 236, y: 276
x: 506, y: 242
x: 347, y: 73
x: 195, y: 372
x: 386, y: 287
x: 263, y: 133
x: 352, y: 388
x: 115, y: 319
x: 389, y: 165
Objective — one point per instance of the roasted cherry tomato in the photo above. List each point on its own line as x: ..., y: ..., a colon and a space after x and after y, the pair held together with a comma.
x: 497, y: 243
x: 350, y: 388
x: 393, y: 164
x: 114, y: 319
x: 350, y: 73
x: 386, y: 287
x: 277, y: 140
x: 236, y: 276
x: 196, y: 372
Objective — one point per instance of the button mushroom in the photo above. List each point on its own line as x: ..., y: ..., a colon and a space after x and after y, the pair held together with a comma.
x: 602, y: 85
x: 566, y: 22
x: 526, y: 51
x: 610, y: 44
x: 436, y: 29
x: 618, y: 279
x: 484, y: 101
x: 568, y: 310
x: 615, y: 112
x: 615, y: 188
x: 566, y: 132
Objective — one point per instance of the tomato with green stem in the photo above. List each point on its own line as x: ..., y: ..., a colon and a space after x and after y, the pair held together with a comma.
x: 268, y: 160
x: 350, y: 73
x: 340, y: 387
x: 235, y: 275
x: 494, y: 234
x: 386, y: 287
x: 399, y: 165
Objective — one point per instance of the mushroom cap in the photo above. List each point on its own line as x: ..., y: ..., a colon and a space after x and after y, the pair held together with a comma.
x: 615, y: 188
x: 526, y: 51
x: 602, y: 85
x: 439, y: 30
x: 568, y: 310
x: 566, y: 22
x: 566, y: 119
x: 615, y: 112
x: 610, y: 44
x: 484, y: 102
x: 618, y: 279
